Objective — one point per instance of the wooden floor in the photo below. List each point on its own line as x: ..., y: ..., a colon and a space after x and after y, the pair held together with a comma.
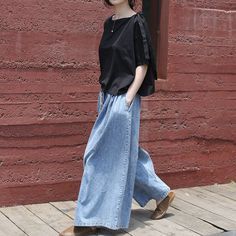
x: 206, y: 210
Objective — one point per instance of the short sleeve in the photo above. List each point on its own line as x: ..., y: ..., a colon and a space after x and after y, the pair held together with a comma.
x: 141, y: 47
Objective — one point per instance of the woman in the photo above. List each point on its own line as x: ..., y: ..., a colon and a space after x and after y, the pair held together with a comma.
x: 116, y: 168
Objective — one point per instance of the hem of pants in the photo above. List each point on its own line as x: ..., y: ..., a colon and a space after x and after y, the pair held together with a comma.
x: 164, y: 195
x: 102, y: 224
x: 143, y: 203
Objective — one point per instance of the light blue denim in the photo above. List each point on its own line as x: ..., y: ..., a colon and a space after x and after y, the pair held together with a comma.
x: 116, y: 168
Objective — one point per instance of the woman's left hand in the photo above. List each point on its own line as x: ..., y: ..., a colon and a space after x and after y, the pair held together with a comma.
x: 128, y: 99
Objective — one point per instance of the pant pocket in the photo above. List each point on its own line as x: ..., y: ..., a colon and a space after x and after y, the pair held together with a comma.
x: 128, y: 106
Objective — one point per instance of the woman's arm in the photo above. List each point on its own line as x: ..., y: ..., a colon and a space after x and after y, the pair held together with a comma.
x: 140, y: 73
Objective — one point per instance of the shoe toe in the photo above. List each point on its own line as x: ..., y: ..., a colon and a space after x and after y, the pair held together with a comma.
x: 162, y: 207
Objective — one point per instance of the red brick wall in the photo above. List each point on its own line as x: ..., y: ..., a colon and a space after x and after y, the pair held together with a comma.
x: 195, y: 138
x: 49, y: 72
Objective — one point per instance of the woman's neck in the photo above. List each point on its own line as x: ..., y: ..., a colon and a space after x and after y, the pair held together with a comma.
x: 123, y: 10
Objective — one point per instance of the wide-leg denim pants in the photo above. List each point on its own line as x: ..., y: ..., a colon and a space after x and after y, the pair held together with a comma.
x: 116, y: 168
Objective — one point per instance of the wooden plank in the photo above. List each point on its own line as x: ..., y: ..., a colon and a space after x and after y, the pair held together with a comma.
x: 190, y: 196
x: 222, y: 190
x: 28, y: 222
x: 202, y: 213
x: 191, y: 222
x: 231, y: 184
x: 138, y: 228
x: 218, y: 199
x: 51, y: 216
x: 67, y: 207
x: 9, y: 228
x: 163, y: 225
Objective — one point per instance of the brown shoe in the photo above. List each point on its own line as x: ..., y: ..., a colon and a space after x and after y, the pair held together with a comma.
x: 79, y: 231
x: 163, y: 206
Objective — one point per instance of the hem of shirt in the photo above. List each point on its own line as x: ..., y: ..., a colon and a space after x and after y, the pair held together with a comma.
x: 147, y: 92
x: 114, y: 94
x: 143, y: 62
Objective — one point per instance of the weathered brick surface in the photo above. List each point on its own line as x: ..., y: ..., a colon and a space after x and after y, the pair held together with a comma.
x: 48, y: 95
x: 196, y: 105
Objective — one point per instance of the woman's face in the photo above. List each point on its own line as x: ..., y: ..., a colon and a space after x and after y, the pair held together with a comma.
x: 117, y: 2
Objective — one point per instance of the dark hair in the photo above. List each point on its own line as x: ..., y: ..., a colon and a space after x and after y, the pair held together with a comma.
x: 131, y: 3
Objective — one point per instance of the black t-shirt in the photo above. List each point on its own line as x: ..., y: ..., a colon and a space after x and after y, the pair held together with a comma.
x: 122, y: 50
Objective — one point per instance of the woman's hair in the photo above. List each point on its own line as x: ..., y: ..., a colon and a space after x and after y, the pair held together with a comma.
x: 131, y: 3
